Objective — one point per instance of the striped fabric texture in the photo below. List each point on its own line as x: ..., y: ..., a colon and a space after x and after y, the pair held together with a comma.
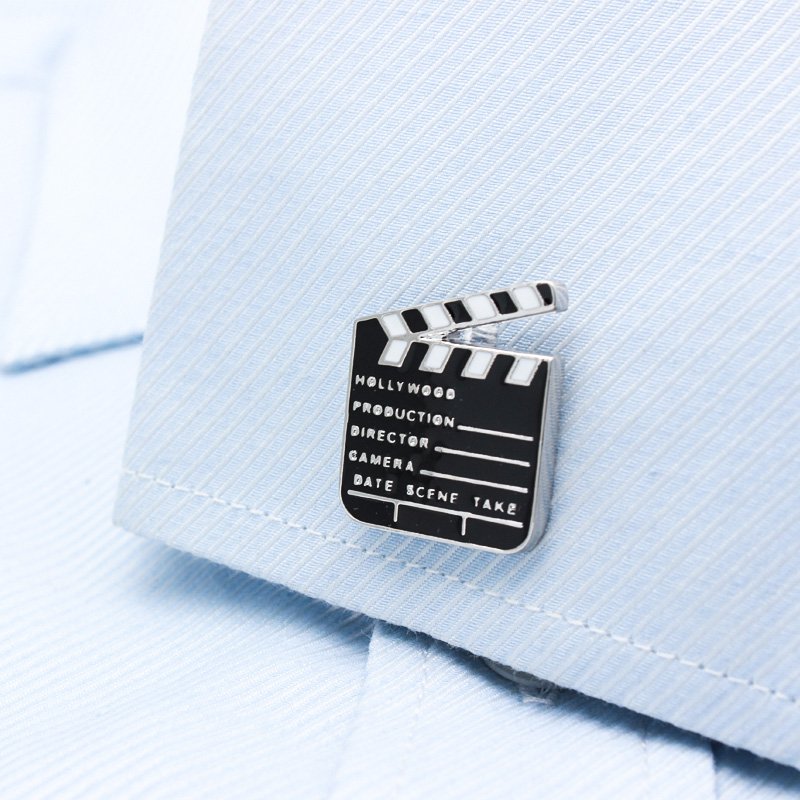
x: 343, y: 160
x: 129, y: 669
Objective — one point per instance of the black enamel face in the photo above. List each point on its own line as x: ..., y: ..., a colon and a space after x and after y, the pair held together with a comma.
x: 436, y: 452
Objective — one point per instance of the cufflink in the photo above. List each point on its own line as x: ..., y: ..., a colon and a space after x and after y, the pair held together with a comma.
x: 446, y: 436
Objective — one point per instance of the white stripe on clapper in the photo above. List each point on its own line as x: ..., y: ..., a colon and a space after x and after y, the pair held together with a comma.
x: 484, y: 456
x: 495, y: 433
x: 446, y: 476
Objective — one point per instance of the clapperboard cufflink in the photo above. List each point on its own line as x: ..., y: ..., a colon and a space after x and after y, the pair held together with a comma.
x: 446, y: 436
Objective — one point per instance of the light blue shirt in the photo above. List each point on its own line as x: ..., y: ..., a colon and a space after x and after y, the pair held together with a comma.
x: 131, y: 669
x: 345, y: 160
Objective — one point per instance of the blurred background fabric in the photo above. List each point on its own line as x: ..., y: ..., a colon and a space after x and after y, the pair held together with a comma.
x: 129, y: 669
x: 88, y: 164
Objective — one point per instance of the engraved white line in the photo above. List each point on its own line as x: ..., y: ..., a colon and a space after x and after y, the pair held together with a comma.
x: 495, y: 433
x: 485, y: 456
x: 520, y: 489
x: 463, y: 514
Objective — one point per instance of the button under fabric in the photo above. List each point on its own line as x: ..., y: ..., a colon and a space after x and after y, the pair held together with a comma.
x: 435, y: 722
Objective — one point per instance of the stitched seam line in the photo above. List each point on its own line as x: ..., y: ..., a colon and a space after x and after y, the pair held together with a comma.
x: 578, y: 623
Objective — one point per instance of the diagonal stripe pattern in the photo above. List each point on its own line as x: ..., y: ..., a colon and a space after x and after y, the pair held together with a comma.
x: 343, y: 159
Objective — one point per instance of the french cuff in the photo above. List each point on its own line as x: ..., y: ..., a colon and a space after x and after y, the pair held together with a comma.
x: 362, y: 159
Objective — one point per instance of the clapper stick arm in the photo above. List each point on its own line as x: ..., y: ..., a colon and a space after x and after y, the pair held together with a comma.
x: 433, y: 321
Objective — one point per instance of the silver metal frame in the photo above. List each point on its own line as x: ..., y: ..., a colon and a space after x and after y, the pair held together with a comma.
x: 545, y: 469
